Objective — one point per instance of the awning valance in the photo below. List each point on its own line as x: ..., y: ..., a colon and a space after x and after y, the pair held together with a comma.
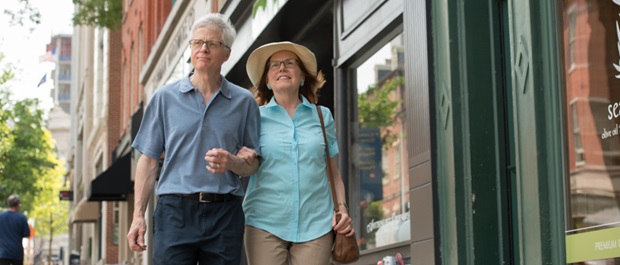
x: 115, y: 183
x: 85, y: 211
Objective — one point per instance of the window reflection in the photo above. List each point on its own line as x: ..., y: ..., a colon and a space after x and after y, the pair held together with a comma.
x: 182, y: 68
x: 592, y: 47
x: 379, y: 148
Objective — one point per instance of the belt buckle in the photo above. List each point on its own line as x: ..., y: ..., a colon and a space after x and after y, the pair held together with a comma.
x: 201, y: 198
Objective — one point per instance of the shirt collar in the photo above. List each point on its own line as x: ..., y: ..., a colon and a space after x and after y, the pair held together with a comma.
x: 304, y: 102
x: 186, y: 86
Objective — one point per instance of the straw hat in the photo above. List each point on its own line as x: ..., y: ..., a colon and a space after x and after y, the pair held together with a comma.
x: 258, y: 59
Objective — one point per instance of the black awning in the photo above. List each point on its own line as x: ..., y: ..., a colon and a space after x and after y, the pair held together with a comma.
x: 115, y: 183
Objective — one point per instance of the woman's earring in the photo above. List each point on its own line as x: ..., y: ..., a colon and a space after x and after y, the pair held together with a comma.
x: 268, y: 87
x: 302, y: 83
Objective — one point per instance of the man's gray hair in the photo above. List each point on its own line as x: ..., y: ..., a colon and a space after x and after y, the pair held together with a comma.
x: 219, y: 22
x: 14, y: 200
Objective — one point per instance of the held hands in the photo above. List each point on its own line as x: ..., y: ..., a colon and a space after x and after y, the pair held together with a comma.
x: 219, y: 160
x: 135, y: 237
x: 247, y: 154
x: 342, y: 226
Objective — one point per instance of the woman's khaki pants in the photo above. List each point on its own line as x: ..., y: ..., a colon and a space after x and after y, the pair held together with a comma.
x: 261, y: 247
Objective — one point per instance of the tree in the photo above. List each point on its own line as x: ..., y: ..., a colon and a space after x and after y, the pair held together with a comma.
x: 29, y: 157
x: 26, y: 148
x: 372, y: 213
x: 50, y: 213
x: 378, y: 107
x: 99, y: 13
x: 28, y: 162
x: 26, y: 13
x: 6, y: 138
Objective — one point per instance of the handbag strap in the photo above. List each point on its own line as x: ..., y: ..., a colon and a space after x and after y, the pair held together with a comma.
x: 330, y: 175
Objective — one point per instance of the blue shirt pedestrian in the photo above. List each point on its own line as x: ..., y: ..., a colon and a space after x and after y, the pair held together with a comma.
x: 13, y: 228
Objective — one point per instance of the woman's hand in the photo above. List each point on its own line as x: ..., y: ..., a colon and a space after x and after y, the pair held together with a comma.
x: 247, y: 154
x: 341, y: 223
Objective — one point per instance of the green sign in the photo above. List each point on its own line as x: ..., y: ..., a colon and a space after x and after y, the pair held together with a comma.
x: 601, y: 244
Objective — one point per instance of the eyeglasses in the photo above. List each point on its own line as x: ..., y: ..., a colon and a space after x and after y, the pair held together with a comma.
x: 288, y: 64
x: 211, y: 44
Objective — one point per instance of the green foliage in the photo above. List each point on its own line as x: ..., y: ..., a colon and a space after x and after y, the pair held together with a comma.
x: 7, y: 73
x: 374, y: 212
x: 6, y: 142
x: 378, y: 107
x: 29, y: 157
x: 6, y: 137
x: 258, y: 4
x: 98, y: 13
x: 28, y: 163
x: 26, y: 13
x: 50, y: 213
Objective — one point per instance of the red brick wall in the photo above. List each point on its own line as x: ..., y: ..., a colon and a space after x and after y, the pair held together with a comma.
x: 149, y: 18
x: 111, y: 254
x: 114, y: 88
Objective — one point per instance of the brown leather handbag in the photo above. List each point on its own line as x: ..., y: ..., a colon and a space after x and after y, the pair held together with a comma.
x: 345, y: 249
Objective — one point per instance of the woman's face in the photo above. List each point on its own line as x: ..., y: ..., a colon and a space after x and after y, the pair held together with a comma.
x: 284, y: 72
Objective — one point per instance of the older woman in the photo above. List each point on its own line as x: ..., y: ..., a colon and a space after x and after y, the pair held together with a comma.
x: 288, y: 206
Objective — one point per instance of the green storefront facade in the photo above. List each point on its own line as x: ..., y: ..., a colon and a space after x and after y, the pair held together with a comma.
x: 508, y: 111
x: 523, y: 149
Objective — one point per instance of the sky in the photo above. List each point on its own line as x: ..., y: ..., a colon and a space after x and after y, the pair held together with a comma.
x: 22, y: 48
x: 366, y: 71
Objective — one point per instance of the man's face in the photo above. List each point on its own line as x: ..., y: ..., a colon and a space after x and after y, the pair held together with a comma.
x: 212, y: 54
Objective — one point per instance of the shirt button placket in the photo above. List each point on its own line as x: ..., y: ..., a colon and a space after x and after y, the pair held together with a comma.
x: 295, y: 166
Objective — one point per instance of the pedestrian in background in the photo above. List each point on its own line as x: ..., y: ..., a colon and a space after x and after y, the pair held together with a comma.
x: 13, y: 228
x: 198, y: 218
x: 288, y: 204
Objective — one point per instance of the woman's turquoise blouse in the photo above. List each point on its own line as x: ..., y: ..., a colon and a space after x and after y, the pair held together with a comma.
x: 289, y: 196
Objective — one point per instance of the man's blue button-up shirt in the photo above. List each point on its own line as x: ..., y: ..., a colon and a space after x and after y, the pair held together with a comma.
x: 179, y: 124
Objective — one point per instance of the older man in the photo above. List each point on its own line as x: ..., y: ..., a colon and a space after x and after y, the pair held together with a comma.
x: 198, y: 123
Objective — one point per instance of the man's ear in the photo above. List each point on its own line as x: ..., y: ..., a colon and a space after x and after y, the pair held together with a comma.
x: 227, y: 54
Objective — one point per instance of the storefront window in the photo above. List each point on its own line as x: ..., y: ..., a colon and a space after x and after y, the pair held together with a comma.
x: 182, y: 68
x: 380, y: 148
x: 592, y: 77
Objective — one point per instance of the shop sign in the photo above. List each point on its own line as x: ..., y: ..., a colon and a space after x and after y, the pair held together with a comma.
x: 368, y: 162
x: 601, y: 244
x: 592, y: 45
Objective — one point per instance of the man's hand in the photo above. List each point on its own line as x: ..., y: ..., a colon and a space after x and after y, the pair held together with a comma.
x: 219, y: 160
x: 135, y: 237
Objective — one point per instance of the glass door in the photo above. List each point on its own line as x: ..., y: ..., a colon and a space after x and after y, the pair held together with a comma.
x: 592, y: 88
x: 379, y: 149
